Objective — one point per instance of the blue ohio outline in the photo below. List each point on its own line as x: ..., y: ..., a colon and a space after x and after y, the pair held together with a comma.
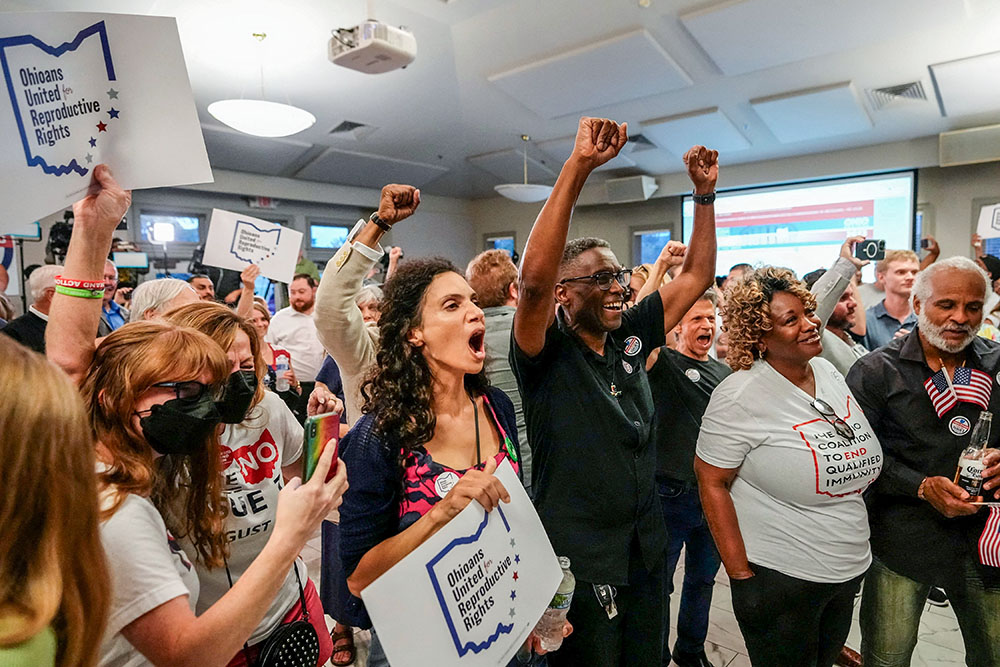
x: 458, y: 541
x: 98, y: 28
x: 232, y: 244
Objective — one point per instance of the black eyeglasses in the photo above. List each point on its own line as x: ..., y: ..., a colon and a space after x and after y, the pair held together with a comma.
x: 842, y: 428
x: 605, y: 279
x: 186, y: 391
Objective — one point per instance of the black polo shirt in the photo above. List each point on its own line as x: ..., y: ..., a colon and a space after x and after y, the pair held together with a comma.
x: 908, y: 534
x: 682, y: 387
x: 589, y: 420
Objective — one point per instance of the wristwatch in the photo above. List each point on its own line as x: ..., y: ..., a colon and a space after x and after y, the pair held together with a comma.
x: 382, y: 224
x: 704, y: 200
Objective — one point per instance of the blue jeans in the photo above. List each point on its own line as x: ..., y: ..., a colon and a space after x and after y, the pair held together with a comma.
x: 686, y: 526
x: 890, y: 617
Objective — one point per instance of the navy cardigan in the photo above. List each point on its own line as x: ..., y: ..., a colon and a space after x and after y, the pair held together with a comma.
x: 369, y: 513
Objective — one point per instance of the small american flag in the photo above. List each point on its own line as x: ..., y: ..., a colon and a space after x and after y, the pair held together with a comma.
x: 968, y: 385
x: 989, y: 542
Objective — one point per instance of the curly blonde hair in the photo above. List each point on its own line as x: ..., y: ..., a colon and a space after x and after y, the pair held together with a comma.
x: 747, y: 315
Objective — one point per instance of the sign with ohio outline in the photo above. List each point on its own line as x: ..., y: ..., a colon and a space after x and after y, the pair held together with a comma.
x: 235, y: 241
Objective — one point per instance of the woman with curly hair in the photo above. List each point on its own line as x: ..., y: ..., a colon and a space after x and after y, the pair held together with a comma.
x: 433, y: 430
x: 783, y: 457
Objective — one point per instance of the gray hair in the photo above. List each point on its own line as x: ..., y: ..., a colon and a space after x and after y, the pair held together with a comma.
x: 922, y: 285
x: 43, y: 278
x: 368, y: 293
x: 153, y: 295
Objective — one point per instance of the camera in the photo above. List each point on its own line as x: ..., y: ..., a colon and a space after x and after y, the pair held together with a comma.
x: 871, y: 249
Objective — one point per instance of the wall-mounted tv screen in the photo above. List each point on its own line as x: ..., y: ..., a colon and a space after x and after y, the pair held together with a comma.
x: 801, y: 226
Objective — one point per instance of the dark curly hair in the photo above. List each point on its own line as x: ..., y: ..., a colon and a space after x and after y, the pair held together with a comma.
x: 398, y: 391
x: 747, y: 315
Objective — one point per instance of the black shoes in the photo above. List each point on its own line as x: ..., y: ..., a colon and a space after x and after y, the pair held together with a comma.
x: 698, y: 659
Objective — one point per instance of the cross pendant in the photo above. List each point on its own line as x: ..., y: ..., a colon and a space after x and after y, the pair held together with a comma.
x: 614, y: 391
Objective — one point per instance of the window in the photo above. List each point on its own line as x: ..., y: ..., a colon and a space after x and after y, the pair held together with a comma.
x: 323, y: 235
x: 503, y: 241
x: 171, y: 227
x: 647, y: 244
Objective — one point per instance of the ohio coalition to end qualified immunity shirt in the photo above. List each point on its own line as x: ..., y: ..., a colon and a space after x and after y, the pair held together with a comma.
x: 798, y: 491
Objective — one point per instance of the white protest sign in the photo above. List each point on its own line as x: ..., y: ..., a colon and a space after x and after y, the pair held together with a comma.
x: 471, y: 594
x: 989, y: 222
x: 82, y: 89
x: 236, y: 241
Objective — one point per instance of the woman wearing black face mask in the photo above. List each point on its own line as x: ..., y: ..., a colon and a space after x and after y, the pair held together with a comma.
x: 260, y: 445
x: 153, y: 392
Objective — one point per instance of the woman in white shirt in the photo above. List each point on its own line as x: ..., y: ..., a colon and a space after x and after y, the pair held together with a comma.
x: 783, y: 456
x: 150, y: 389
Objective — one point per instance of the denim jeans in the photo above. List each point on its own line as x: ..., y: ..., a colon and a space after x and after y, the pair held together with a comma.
x: 890, y: 617
x: 686, y: 526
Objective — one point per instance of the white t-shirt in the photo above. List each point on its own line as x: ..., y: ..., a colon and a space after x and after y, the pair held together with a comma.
x: 798, y: 490
x: 296, y: 332
x: 252, y: 456
x: 148, y: 568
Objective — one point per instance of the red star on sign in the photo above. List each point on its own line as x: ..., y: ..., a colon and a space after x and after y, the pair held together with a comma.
x: 101, y: 127
x: 515, y: 575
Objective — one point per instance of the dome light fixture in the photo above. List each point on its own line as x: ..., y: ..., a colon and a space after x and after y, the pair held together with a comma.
x: 525, y: 192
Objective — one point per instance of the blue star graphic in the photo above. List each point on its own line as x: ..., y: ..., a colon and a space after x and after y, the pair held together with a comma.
x: 113, y: 94
x: 113, y: 113
x: 513, y: 594
x: 517, y: 558
x: 93, y: 142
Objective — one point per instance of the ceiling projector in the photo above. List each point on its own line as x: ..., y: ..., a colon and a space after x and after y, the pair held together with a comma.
x: 372, y: 47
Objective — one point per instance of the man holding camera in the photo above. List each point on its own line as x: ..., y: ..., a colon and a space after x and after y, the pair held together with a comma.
x: 892, y: 316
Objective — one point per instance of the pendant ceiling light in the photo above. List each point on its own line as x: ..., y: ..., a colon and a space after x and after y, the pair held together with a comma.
x: 524, y: 192
x: 261, y: 118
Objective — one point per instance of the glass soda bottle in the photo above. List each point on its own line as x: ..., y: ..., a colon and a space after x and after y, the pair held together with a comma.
x: 550, y: 627
x: 970, y: 465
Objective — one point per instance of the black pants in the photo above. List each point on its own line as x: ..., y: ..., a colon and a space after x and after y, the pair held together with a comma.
x: 789, y: 622
x: 633, y: 637
x: 303, y: 402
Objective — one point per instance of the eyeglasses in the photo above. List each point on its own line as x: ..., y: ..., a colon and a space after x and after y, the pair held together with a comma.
x: 842, y: 428
x: 604, y: 279
x: 186, y: 391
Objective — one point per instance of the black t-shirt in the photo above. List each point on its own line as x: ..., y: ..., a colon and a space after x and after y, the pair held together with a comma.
x: 681, y: 388
x: 589, y: 420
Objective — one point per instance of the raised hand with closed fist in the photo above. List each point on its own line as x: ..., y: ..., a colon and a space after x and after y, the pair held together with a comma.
x: 598, y: 140
x: 398, y: 202
x: 703, y: 168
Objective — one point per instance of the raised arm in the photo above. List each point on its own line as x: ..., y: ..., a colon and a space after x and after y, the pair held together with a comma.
x: 933, y: 252
x: 73, y: 320
x: 698, y: 271
x: 339, y: 324
x: 832, y: 284
x: 597, y: 141
x: 672, y: 255
x: 248, y: 277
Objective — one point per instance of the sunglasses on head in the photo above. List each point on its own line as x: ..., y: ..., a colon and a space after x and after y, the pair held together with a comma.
x: 605, y: 279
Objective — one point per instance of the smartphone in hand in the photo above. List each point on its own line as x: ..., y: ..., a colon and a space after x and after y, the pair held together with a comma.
x: 319, y: 431
x: 870, y: 249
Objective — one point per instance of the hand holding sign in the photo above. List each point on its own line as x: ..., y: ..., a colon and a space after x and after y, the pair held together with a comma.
x: 398, y: 202
x: 480, y: 485
x: 105, y: 203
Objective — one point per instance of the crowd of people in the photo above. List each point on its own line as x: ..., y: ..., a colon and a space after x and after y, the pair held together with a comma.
x: 760, y: 422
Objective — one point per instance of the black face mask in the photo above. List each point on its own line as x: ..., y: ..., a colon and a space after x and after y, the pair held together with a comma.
x: 237, y: 397
x: 180, y: 427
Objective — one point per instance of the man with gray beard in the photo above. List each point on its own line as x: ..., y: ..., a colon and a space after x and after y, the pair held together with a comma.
x: 922, y: 394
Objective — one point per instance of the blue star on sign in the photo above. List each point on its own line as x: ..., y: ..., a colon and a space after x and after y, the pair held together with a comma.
x: 93, y: 142
x: 513, y: 594
x: 113, y: 112
x: 517, y: 558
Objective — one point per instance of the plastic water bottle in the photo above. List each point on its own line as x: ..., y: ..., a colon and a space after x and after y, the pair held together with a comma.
x: 280, y: 368
x: 550, y: 627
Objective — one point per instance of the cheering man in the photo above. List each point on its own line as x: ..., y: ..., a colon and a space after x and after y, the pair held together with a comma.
x: 589, y: 409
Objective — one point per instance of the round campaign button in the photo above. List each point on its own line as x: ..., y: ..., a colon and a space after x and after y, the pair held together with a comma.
x: 693, y: 374
x: 632, y: 345
x: 627, y: 366
x: 959, y: 425
x: 444, y: 482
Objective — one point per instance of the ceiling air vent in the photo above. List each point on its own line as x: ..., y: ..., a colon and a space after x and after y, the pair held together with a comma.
x: 883, y: 97
x: 639, y: 142
x: 351, y: 130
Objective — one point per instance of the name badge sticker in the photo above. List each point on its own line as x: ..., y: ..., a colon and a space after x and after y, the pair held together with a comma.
x: 959, y: 426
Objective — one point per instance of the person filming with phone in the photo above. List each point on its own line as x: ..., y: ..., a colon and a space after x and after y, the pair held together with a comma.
x: 892, y: 316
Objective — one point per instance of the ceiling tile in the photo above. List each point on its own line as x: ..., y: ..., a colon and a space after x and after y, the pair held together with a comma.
x: 813, y: 114
x: 228, y: 149
x: 614, y: 70
x: 709, y: 127
x: 750, y: 35
x: 968, y: 86
x: 366, y: 170
x: 508, y: 166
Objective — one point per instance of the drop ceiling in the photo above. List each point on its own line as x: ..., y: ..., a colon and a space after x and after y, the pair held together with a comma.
x: 760, y: 79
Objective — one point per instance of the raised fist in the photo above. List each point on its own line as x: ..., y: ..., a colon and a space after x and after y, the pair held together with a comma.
x: 703, y: 168
x: 673, y: 253
x: 599, y: 140
x: 398, y: 202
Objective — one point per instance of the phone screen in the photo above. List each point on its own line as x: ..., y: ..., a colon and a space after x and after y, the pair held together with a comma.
x: 319, y: 430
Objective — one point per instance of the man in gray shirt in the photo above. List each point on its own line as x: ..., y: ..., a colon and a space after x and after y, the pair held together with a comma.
x: 494, y: 277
